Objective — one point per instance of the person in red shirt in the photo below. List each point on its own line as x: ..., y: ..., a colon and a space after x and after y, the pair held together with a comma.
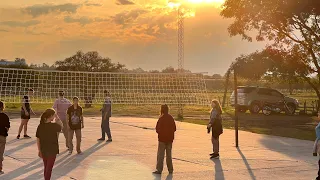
x: 165, y: 128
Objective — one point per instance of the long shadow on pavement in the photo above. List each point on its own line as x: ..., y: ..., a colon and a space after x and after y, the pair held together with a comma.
x: 20, y: 147
x: 218, y: 169
x: 69, y: 163
x: 247, y: 164
x: 12, y: 141
x: 15, y: 174
x: 294, y: 148
x: 158, y: 177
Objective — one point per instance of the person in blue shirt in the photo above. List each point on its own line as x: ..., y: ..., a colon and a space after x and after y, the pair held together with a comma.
x: 316, y: 147
x: 105, y: 122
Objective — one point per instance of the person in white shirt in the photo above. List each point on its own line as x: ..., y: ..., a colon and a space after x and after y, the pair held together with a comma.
x: 61, y: 106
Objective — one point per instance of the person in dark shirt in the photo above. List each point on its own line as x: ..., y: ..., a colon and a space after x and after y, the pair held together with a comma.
x: 75, y: 122
x: 105, y: 122
x: 4, y: 128
x: 47, y: 140
x: 165, y: 128
x: 215, y: 123
x: 25, y: 114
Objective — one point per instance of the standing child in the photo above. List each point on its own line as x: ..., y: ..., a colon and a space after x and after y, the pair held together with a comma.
x: 47, y: 140
x: 316, y: 148
x: 4, y: 128
x: 25, y: 114
x: 216, y: 124
x: 75, y: 122
x: 165, y: 128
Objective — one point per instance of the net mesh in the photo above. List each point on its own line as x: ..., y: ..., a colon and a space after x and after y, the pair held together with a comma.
x: 125, y: 88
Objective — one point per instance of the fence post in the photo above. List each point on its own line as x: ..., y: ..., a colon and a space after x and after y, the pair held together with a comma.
x: 305, y: 107
x: 236, y: 107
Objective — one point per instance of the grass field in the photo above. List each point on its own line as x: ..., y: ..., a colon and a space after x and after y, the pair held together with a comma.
x: 300, y: 127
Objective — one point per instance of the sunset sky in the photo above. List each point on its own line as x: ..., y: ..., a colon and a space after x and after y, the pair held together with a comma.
x: 137, y: 33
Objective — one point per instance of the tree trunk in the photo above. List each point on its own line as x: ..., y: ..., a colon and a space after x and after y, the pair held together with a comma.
x: 314, y: 87
x: 226, y: 89
x: 290, y: 88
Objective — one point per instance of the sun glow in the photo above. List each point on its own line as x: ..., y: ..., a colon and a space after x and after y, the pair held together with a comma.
x: 206, y: 1
x: 178, y: 3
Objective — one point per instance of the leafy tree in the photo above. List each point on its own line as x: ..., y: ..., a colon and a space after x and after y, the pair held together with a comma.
x: 169, y: 69
x: 90, y: 61
x: 292, y: 27
x: 216, y: 76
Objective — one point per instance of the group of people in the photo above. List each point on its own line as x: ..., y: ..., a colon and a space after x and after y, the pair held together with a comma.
x: 63, y: 116
x: 68, y: 118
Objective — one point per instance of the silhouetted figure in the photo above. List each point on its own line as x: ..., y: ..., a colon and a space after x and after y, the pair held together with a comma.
x: 4, y: 128
x: 47, y: 140
x: 61, y: 106
x: 316, y: 148
x: 215, y: 125
x: 165, y: 128
x: 105, y: 122
x: 75, y: 122
x: 25, y: 114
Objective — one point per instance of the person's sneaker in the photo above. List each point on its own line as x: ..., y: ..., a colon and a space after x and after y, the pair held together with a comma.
x: 26, y: 136
x: 215, y: 156
x: 156, y: 172
x: 1, y: 172
x: 18, y: 137
x: 109, y: 140
x: 211, y: 154
x: 101, y: 139
x: 79, y: 152
x: 70, y: 152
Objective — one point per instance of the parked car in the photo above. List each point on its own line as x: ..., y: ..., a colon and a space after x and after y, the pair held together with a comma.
x: 251, y: 98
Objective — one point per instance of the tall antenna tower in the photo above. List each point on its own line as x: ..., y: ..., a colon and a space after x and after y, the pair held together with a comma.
x: 180, y: 53
x: 180, y: 39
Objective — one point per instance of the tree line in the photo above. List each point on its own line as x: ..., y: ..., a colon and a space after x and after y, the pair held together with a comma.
x: 90, y: 62
x: 292, y: 31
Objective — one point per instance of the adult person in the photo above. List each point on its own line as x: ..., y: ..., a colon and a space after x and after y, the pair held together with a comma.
x: 165, y: 128
x: 47, y: 140
x: 105, y: 122
x: 4, y: 128
x: 215, y: 123
x: 75, y: 122
x: 61, y: 106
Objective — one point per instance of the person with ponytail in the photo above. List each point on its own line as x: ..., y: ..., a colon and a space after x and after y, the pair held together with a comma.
x: 215, y: 125
x: 47, y: 140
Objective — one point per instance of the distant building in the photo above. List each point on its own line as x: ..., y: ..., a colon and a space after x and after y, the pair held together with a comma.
x: 19, y: 62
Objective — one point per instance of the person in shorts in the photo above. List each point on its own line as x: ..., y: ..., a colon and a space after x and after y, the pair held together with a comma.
x: 26, y: 110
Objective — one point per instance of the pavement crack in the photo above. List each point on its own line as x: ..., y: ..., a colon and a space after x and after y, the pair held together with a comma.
x: 191, y: 162
x: 141, y: 127
x: 14, y: 158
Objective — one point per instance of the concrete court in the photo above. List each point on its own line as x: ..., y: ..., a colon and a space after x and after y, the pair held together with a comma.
x: 132, y: 155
